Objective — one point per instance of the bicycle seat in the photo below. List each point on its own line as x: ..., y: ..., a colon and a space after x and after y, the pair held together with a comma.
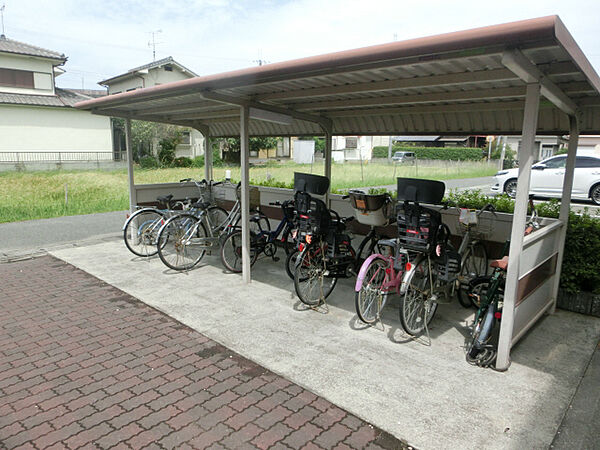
x: 165, y: 198
x: 501, y: 264
x: 201, y: 205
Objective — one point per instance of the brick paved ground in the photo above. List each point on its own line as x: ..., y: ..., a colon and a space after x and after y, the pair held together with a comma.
x: 82, y: 364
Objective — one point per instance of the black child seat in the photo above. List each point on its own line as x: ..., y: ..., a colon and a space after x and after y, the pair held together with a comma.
x: 313, y: 215
x: 418, y: 226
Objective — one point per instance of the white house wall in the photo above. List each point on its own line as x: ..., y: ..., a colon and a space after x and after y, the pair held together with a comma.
x: 42, y: 73
x: 31, y: 129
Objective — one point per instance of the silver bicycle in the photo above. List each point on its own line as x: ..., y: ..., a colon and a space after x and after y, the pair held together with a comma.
x: 185, y: 238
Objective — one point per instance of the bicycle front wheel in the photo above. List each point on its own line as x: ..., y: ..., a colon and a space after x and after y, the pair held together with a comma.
x: 231, y: 252
x: 474, y: 264
x: 182, y: 242
x: 372, y: 295
x: 141, y: 232
x: 311, y: 282
x: 290, y: 263
x: 418, y: 306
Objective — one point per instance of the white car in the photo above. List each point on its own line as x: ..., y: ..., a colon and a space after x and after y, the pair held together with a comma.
x: 547, y: 178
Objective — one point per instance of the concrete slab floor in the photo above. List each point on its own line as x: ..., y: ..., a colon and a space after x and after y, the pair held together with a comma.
x: 428, y: 396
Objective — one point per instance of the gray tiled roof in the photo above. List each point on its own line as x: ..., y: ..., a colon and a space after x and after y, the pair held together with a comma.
x: 152, y: 65
x: 20, y: 48
x: 63, y: 98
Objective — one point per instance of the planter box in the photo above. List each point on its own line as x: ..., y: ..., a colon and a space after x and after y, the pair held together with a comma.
x: 582, y: 302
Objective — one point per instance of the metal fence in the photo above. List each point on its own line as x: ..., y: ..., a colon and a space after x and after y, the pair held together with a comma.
x: 61, y: 157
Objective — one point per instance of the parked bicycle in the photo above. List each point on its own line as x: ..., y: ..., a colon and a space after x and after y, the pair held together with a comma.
x: 140, y: 231
x: 474, y: 259
x: 487, y: 293
x: 261, y: 241
x: 431, y: 274
x: 184, y: 239
x: 326, y: 253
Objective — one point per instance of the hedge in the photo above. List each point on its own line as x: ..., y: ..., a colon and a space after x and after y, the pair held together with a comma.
x: 444, y: 153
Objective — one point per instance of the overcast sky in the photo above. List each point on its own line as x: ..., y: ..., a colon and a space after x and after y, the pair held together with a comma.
x: 106, y: 38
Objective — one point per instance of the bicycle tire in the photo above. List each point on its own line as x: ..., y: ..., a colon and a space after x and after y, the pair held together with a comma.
x: 369, y: 300
x: 310, y: 283
x: 290, y: 263
x: 474, y: 264
x: 288, y: 243
x: 140, y: 233
x: 416, y: 299
x: 482, y: 332
x: 176, y: 249
x: 258, y: 222
x: 231, y: 252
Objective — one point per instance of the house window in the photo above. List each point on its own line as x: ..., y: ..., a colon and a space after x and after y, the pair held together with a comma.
x: 16, y: 78
x: 186, y: 138
x: 351, y: 142
x: 169, y: 68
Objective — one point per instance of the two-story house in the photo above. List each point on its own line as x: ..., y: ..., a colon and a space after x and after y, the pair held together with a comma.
x: 158, y: 72
x: 37, y: 119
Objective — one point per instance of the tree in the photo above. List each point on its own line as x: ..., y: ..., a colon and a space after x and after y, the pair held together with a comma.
x: 145, y: 134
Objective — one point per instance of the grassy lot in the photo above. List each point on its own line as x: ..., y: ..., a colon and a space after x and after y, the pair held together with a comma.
x: 37, y: 195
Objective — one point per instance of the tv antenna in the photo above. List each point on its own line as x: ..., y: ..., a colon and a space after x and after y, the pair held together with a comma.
x: 153, y: 43
x: 260, y: 61
x: 2, y: 19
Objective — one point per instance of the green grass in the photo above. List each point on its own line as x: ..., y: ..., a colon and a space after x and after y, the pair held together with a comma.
x: 38, y: 195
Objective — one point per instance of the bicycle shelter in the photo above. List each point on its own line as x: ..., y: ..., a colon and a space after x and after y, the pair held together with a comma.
x: 482, y: 81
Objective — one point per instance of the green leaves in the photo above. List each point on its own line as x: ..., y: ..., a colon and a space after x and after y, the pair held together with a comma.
x: 442, y: 153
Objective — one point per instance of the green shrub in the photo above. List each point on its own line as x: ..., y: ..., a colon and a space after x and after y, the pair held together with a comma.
x: 443, y: 153
x: 166, y: 156
x: 183, y: 161
x: 148, y: 162
x: 198, y: 161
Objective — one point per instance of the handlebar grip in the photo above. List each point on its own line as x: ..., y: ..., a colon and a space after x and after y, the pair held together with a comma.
x: 217, y: 183
x: 344, y: 197
x: 185, y: 179
x: 274, y: 203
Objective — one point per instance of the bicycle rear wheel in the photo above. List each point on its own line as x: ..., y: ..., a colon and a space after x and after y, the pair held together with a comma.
x: 371, y: 298
x: 418, y: 306
x: 474, y: 264
x: 290, y: 263
x: 231, y: 252
x: 182, y: 242
x: 140, y: 232
x: 311, y: 282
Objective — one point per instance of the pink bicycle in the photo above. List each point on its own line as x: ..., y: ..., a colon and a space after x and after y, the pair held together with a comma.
x: 380, y: 275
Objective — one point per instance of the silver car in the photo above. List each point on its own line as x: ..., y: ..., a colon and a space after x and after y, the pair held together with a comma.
x: 404, y: 157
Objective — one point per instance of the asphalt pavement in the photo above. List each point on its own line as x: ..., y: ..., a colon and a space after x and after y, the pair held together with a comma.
x: 32, y: 236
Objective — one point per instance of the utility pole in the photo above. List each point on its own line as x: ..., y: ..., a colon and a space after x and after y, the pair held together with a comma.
x: 153, y: 43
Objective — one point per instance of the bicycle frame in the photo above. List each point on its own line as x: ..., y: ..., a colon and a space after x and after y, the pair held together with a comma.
x: 393, y: 278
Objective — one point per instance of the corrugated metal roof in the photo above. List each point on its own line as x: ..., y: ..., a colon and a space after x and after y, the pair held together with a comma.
x: 64, y: 98
x: 451, y: 84
x: 21, y: 48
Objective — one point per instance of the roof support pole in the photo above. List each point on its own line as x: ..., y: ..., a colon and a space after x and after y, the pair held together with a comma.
x: 129, y: 148
x: 565, y: 203
x: 328, y: 146
x: 208, y: 162
x: 245, y: 187
x: 530, y: 118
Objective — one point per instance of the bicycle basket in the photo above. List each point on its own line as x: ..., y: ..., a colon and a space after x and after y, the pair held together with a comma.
x: 206, y: 194
x: 370, y: 209
x: 417, y: 226
x: 478, y: 227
